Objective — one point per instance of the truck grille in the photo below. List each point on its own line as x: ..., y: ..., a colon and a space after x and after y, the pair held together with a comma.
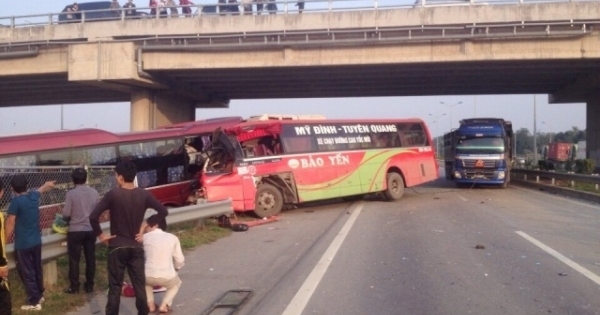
x: 471, y: 163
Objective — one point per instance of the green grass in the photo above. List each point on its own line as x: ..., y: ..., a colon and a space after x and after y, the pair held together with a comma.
x: 587, y: 187
x: 190, y: 234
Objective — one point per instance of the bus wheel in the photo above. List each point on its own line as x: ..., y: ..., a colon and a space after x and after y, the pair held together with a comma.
x: 269, y: 201
x: 395, y: 186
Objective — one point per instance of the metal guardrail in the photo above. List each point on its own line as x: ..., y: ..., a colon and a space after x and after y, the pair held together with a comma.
x: 52, y: 245
x: 546, y: 181
x: 283, y: 7
x: 534, y: 175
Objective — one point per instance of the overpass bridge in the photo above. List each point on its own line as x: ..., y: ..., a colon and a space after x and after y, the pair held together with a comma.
x: 168, y: 67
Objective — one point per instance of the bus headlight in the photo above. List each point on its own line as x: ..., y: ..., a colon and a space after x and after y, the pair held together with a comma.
x: 501, y: 174
x: 457, y: 174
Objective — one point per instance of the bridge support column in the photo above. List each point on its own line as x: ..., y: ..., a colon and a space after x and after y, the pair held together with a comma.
x: 592, y: 128
x: 151, y: 109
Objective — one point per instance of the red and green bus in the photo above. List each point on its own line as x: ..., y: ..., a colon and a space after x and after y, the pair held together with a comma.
x: 264, y: 164
x: 168, y: 159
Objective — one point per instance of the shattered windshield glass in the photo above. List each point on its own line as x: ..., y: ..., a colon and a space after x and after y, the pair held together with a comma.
x: 221, y: 153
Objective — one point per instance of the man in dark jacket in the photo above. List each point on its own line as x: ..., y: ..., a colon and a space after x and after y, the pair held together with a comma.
x: 127, y: 205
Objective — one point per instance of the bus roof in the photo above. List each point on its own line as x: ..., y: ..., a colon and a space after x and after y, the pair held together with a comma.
x: 89, y: 137
x: 286, y: 117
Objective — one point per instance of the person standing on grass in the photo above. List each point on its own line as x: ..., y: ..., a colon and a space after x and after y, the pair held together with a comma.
x: 24, y: 220
x: 5, y: 300
x: 127, y: 206
x: 79, y: 203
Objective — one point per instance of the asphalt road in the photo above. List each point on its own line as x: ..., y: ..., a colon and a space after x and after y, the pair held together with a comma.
x: 440, y: 250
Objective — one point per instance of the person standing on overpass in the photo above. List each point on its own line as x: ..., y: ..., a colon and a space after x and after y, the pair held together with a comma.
x: 130, y: 6
x: 127, y: 206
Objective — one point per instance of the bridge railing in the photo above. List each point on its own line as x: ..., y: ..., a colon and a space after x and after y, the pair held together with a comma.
x: 275, y: 7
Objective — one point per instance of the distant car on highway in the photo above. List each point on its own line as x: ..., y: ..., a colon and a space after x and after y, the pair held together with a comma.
x: 94, y: 11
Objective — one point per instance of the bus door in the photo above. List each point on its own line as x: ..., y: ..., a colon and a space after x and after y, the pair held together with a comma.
x: 223, y: 170
x: 246, y: 196
x: 419, y: 163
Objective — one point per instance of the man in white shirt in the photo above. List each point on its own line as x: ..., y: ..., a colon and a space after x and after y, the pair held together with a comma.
x: 163, y: 258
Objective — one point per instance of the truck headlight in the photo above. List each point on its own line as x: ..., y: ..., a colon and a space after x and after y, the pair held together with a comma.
x: 501, y: 174
x: 457, y: 174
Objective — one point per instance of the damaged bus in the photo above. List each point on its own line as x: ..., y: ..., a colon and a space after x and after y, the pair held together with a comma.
x: 168, y: 159
x: 265, y: 163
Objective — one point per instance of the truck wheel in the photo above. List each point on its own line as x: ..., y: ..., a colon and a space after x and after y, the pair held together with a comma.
x: 395, y: 186
x: 269, y: 201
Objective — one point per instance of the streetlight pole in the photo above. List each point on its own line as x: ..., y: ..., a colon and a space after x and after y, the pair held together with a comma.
x: 451, y: 105
x: 437, y: 138
x: 535, y: 158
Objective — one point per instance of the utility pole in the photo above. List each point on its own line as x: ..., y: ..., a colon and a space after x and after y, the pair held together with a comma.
x: 437, y: 138
x: 62, y: 124
x: 451, y: 105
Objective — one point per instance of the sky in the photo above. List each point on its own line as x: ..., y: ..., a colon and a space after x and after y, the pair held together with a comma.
x: 441, y: 113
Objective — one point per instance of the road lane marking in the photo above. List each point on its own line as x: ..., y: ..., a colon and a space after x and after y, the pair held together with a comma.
x: 462, y: 198
x: 298, y: 303
x: 592, y: 276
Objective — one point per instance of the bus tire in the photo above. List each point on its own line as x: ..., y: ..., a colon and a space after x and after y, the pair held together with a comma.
x: 395, y: 186
x: 269, y: 201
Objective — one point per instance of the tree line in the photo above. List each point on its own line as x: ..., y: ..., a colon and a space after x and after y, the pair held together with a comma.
x: 524, y: 139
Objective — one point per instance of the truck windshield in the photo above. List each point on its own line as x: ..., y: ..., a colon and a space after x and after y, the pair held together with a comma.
x: 480, y: 145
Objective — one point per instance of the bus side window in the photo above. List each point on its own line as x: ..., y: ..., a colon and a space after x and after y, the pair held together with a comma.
x: 298, y: 144
x: 277, y: 149
x: 395, y: 140
x: 259, y: 150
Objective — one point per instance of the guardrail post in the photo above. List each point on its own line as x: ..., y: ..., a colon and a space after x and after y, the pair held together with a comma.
x: 537, y: 178
x: 553, y: 181
x: 525, y: 177
x: 49, y: 268
x: 572, y: 184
